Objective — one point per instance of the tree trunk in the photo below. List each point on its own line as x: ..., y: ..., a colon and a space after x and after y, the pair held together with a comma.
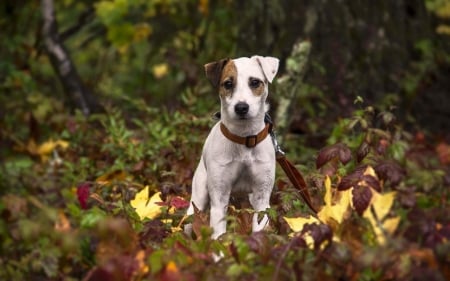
x: 79, y: 96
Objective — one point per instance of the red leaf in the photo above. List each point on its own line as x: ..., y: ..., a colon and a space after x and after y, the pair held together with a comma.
x: 361, y: 198
x: 83, y: 194
x: 179, y: 203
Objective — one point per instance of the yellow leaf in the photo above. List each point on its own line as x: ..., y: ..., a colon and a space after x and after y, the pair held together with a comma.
x: 44, y: 149
x: 110, y: 176
x: 297, y: 224
x: 48, y: 146
x: 172, y: 267
x: 391, y: 224
x: 335, y: 212
x: 144, y: 207
x: 381, y: 205
x: 160, y: 70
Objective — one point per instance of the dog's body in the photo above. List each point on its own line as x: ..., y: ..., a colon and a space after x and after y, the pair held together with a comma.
x: 228, y: 167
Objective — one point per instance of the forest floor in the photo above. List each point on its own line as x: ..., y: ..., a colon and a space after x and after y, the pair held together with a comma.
x: 105, y: 198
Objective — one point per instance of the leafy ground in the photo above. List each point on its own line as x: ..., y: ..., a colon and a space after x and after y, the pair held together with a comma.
x: 105, y: 199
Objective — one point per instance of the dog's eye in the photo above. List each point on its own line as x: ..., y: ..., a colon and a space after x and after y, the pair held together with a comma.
x: 228, y: 85
x: 254, y: 83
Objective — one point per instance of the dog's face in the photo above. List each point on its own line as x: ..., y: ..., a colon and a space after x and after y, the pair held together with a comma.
x: 243, y: 84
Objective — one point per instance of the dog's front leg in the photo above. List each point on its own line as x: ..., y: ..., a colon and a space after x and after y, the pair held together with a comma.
x: 219, y: 192
x: 260, y: 196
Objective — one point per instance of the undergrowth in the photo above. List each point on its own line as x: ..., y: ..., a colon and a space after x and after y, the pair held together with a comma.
x: 67, y: 212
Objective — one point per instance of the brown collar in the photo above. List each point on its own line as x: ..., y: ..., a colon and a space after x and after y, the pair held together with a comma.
x: 248, y: 141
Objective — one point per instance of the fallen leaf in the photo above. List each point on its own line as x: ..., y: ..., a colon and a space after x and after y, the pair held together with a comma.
x: 147, y: 207
x: 48, y: 146
x: 108, y: 177
x: 83, y: 194
x: 62, y: 224
x: 45, y: 149
x: 179, y: 202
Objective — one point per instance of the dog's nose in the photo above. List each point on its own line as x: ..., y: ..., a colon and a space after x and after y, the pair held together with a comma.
x: 241, y: 108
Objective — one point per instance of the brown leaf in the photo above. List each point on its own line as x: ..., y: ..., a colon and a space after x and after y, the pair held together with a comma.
x: 201, y: 220
x: 243, y: 220
x: 352, y: 179
x: 259, y: 243
x: 320, y: 233
x: 114, y: 175
x: 390, y: 171
x: 338, y: 150
x: 363, y: 150
x: 361, y: 198
x: 153, y: 231
x: 370, y: 181
x: 62, y: 224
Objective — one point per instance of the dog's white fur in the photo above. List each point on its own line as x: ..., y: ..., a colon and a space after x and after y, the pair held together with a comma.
x: 227, y: 167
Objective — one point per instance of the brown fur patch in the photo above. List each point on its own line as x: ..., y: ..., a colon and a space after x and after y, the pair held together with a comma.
x: 229, y: 74
x: 259, y: 90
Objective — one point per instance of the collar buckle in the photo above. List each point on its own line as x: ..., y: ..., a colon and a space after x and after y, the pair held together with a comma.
x: 251, y: 141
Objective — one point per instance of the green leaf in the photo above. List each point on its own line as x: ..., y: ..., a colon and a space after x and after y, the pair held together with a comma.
x: 92, y: 217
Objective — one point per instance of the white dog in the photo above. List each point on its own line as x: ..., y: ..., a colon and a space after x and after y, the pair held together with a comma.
x: 238, y: 155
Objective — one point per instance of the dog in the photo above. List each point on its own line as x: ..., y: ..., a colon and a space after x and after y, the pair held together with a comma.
x: 238, y: 155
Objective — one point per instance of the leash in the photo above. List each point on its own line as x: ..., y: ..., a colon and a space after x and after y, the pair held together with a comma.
x: 292, y: 173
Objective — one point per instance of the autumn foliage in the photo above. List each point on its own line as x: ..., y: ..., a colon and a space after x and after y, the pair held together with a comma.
x: 361, y: 103
x: 111, y: 213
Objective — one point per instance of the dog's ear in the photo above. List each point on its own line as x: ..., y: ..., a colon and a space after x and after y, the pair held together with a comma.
x: 269, y: 66
x: 213, y: 71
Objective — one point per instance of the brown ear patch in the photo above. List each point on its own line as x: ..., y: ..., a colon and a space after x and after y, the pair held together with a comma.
x: 213, y: 71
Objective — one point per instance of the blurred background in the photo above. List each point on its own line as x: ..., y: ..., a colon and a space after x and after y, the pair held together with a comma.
x: 394, y: 53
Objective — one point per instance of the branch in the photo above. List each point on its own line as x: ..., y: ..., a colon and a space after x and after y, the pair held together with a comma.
x: 83, y: 19
x: 60, y: 59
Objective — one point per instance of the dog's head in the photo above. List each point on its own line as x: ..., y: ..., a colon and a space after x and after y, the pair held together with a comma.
x: 243, y: 84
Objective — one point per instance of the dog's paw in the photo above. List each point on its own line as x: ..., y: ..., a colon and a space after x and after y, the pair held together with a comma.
x: 218, y: 257
x: 258, y: 226
x: 188, y: 229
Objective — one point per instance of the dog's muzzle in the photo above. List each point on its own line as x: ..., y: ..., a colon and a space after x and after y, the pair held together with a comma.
x: 241, y: 109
